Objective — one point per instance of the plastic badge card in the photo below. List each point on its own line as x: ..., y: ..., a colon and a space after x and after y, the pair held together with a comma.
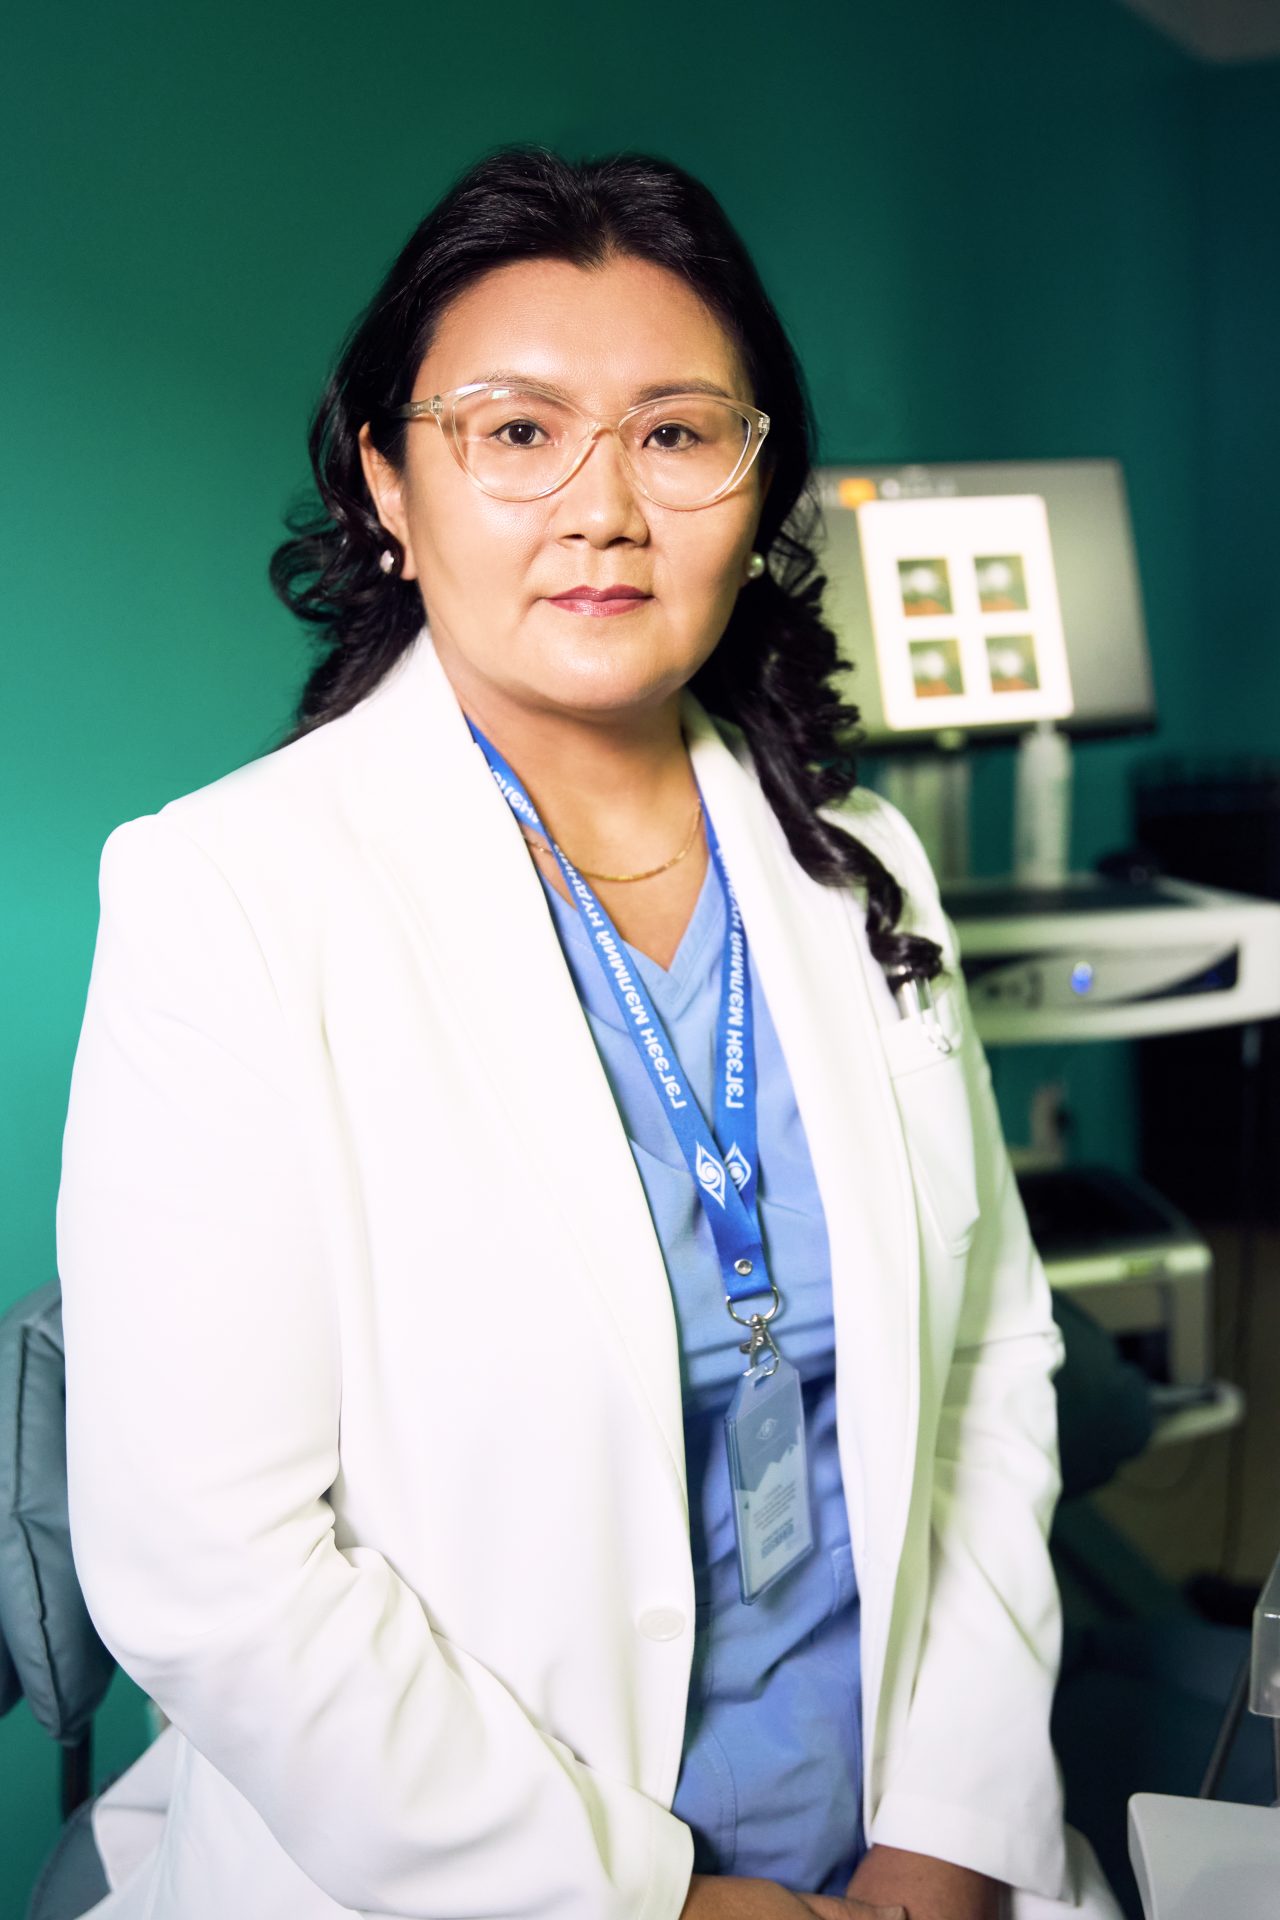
x: 769, y: 1475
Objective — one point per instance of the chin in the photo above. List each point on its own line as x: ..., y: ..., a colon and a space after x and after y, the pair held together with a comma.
x: 612, y: 680
x: 607, y: 700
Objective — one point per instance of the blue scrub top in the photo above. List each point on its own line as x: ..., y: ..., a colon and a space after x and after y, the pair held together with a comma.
x: 771, y: 1776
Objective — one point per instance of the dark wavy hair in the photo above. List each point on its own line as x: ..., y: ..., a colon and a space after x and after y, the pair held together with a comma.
x: 770, y: 672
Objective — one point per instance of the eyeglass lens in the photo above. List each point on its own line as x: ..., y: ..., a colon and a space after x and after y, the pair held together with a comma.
x: 518, y: 442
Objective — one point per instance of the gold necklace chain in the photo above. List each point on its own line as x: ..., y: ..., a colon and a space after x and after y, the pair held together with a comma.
x: 539, y: 846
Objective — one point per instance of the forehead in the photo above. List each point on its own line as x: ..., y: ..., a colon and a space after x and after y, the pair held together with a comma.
x: 602, y: 332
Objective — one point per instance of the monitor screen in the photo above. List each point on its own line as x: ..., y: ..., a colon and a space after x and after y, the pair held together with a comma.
x: 973, y: 601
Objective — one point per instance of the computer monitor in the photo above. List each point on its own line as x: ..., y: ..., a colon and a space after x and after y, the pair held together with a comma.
x: 973, y: 601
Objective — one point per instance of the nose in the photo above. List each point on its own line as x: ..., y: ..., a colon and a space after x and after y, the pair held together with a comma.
x: 600, y: 502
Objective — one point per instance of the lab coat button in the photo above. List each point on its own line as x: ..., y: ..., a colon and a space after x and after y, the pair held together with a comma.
x: 662, y: 1623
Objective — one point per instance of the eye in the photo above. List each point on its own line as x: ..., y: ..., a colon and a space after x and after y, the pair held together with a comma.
x: 521, y: 430
x: 668, y: 444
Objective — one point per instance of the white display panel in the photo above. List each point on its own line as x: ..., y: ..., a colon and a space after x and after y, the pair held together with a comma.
x: 1042, y: 586
x: 965, y: 613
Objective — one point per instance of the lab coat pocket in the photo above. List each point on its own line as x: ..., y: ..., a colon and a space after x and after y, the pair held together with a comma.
x: 937, y: 1121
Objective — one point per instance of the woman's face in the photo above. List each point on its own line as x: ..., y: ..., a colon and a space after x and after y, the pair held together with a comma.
x: 488, y: 569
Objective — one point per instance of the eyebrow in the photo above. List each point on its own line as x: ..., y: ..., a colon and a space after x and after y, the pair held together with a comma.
x: 659, y: 390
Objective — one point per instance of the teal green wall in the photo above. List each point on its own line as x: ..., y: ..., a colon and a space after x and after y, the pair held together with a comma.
x: 1240, y: 607
x: 982, y: 223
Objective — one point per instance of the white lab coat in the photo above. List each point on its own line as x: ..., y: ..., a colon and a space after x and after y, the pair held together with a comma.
x: 374, y: 1423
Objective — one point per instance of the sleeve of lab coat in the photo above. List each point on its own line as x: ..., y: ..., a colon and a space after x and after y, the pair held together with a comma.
x: 974, y: 1778
x: 204, y: 1387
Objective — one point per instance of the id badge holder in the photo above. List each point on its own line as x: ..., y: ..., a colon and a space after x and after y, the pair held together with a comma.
x: 768, y: 1475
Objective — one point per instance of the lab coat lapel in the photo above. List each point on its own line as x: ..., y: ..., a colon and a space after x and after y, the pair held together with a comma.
x: 460, y: 857
x: 804, y: 940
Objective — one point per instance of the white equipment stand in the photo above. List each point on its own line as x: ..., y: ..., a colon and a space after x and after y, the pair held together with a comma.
x: 1197, y: 1859
x: 1050, y: 956
x: 933, y: 792
x: 1200, y: 1859
x: 1093, y: 959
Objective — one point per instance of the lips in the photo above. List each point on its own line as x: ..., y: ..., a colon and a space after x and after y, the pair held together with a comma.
x: 600, y: 601
x: 601, y: 593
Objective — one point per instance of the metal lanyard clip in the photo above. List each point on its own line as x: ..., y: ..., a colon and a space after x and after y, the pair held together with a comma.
x: 760, y: 1344
x: 760, y: 1341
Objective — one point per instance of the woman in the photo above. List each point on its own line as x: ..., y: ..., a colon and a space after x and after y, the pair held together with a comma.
x: 400, y: 1211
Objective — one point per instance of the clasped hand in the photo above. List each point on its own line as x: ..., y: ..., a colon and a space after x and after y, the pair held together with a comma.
x: 901, y: 1886
x: 712, y: 1897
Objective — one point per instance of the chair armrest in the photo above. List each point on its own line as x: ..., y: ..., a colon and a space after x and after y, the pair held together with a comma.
x: 49, y: 1649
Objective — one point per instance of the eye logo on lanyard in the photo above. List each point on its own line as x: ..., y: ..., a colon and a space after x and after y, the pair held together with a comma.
x: 710, y: 1170
x: 738, y: 1165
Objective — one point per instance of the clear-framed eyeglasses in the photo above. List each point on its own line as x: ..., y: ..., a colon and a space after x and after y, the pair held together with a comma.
x: 520, y: 442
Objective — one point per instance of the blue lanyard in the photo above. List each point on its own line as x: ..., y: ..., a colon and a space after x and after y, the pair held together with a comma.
x: 724, y: 1165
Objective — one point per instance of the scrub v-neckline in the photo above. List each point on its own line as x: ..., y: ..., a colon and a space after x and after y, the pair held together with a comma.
x: 675, y: 985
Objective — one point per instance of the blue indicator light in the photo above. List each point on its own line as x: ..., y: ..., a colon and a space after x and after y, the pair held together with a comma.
x: 1081, y: 977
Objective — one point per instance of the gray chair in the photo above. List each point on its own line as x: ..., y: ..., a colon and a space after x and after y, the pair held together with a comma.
x: 49, y: 1652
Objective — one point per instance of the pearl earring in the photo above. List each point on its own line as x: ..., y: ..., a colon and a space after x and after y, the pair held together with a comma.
x: 755, y: 566
x: 386, y: 560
